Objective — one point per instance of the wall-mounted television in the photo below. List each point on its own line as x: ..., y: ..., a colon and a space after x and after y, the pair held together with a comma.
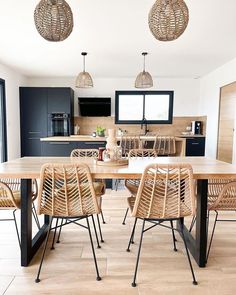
x: 135, y: 107
x: 95, y: 106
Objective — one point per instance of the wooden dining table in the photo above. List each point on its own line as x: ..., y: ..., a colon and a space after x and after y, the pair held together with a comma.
x: 28, y: 168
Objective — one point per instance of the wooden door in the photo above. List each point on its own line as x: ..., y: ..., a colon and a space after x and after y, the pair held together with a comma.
x: 226, y: 123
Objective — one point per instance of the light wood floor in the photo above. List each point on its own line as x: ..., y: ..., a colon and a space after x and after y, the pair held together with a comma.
x: 69, y: 269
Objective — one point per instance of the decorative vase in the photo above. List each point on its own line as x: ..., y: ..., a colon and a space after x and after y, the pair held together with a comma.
x: 111, y: 144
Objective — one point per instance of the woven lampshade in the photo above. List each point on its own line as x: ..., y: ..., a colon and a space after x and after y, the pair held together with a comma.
x: 168, y: 19
x: 144, y: 79
x: 53, y: 19
x: 84, y: 79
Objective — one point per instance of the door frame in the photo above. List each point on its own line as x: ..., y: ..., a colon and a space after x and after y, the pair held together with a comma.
x: 4, y: 121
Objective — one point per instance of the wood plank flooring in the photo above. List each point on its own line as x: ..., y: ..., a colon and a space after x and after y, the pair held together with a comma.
x: 69, y: 269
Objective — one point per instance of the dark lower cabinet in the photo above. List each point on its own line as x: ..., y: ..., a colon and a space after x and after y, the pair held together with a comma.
x: 57, y: 148
x: 195, y: 146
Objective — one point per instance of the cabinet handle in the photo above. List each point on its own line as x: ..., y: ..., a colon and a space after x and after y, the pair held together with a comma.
x: 59, y: 142
x: 34, y: 138
x: 195, y: 143
x: 34, y: 132
x: 94, y: 142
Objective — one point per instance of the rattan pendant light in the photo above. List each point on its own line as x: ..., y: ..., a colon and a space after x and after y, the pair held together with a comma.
x: 144, y: 79
x: 84, y: 80
x: 53, y: 19
x: 168, y: 19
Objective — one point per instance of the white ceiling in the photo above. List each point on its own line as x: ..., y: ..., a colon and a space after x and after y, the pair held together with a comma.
x: 115, y: 32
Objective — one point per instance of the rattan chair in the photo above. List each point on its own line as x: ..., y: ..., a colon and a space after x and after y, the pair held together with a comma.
x: 133, y: 184
x: 67, y: 192
x: 224, y: 192
x: 10, y: 199
x: 165, y: 145
x: 165, y: 193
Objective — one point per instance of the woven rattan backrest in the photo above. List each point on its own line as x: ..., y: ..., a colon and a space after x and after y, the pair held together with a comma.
x: 66, y: 190
x: 128, y: 143
x: 142, y: 153
x: 165, y: 145
x: 7, y: 200
x: 226, y: 199
x: 215, y: 186
x: 84, y: 153
x: 165, y: 191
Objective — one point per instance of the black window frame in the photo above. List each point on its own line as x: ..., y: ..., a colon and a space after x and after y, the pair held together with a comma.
x: 144, y: 93
x: 4, y: 121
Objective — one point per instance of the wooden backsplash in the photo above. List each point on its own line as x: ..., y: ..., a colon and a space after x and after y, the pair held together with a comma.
x: 88, y: 125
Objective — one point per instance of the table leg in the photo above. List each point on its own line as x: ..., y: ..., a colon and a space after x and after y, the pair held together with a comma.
x: 198, y: 245
x: 29, y: 246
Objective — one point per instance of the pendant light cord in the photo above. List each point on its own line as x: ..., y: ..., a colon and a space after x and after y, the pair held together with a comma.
x: 84, y: 63
x: 144, y: 64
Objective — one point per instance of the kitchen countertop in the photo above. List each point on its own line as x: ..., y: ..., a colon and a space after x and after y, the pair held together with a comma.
x: 91, y: 138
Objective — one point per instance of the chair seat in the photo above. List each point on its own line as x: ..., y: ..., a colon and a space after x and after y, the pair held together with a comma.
x: 6, y: 201
x: 131, y: 201
x: 132, y: 186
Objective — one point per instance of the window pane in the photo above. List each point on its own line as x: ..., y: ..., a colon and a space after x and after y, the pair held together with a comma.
x: 131, y: 107
x: 157, y: 107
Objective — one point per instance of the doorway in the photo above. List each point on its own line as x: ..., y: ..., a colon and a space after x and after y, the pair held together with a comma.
x: 227, y: 115
x: 3, y: 133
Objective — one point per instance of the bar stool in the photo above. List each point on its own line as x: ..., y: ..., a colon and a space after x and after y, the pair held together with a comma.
x: 165, y: 145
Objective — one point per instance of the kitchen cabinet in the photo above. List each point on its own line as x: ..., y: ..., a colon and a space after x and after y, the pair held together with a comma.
x: 35, y: 105
x: 60, y: 100
x: 195, y: 146
x: 33, y: 119
x: 57, y: 148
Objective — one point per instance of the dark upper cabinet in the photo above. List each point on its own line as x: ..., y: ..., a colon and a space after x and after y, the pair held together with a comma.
x: 60, y: 100
x: 195, y: 146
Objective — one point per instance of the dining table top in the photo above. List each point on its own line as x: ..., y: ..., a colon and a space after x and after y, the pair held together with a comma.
x: 203, y: 167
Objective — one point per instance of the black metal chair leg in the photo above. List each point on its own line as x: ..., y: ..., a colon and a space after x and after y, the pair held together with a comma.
x: 96, y: 235
x: 100, y: 230
x: 189, y: 260
x: 212, y: 234
x: 54, y: 236
x: 138, y: 256
x: 17, y: 231
x: 59, y: 234
x: 173, y: 235
x: 94, y: 255
x: 37, y: 280
x: 192, y: 223
x: 132, y: 235
x: 103, y: 220
x: 126, y: 213
x: 35, y: 215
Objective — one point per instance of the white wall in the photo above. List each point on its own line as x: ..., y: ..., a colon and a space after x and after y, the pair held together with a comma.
x: 209, y: 101
x: 186, y: 100
x: 13, y: 81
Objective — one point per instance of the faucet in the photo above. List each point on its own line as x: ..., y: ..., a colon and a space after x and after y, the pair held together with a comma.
x: 144, y: 123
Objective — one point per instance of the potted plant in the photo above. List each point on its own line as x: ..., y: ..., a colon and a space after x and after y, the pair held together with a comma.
x: 100, y: 131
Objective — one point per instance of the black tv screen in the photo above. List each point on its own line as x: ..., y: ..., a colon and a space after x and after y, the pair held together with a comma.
x: 95, y: 106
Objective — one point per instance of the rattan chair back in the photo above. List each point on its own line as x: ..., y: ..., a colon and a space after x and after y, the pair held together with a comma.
x: 165, y: 145
x: 66, y: 191
x: 165, y: 192
x: 84, y: 153
x: 142, y: 153
x: 226, y: 198
x: 128, y: 143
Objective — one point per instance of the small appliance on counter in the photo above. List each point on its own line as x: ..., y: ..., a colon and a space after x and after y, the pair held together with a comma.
x: 196, y: 127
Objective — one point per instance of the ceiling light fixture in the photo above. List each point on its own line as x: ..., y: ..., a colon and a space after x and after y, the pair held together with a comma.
x: 144, y: 79
x: 168, y: 19
x: 53, y: 19
x: 84, y: 80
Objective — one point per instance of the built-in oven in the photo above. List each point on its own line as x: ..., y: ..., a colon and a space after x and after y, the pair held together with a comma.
x: 59, y: 124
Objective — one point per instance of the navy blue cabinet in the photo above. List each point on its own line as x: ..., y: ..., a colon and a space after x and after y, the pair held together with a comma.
x: 33, y: 119
x: 57, y: 148
x: 195, y: 146
x: 60, y: 100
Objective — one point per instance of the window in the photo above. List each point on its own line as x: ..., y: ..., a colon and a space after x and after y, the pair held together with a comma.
x: 135, y: 107
x: 3, y: 138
